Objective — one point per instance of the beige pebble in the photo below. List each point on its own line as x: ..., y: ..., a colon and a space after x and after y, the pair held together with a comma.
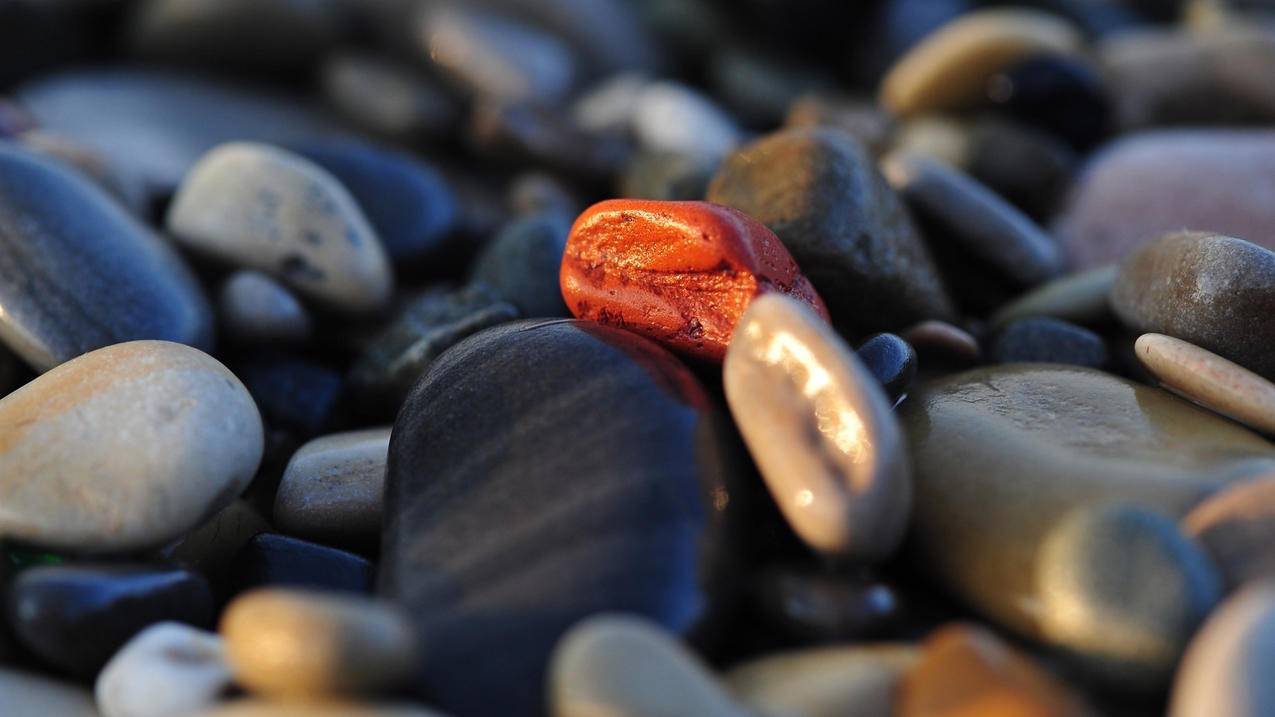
x: 860, y: 680
x: 1209, y: 380
x: 1237, y: 527
x: 1226, y: 671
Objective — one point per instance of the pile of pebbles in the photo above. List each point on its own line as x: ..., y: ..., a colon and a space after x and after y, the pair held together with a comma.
x: 637, y: 358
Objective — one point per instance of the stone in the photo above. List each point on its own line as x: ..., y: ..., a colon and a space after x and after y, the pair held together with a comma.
x: 388, y: 99
x: 1079, y: 297
x: 941, y: 343
x: 407, y: 201
x: 125, y: 447
x: 984, y: 244
x: 1209, y: 380
x: 821, y: 194
x: 889, y: 30
x: 167, y: 669
x: 1028, y: 167
x: 1003, y: 455
x: 1213, y: 291
x: 891, y: 360
x: 256, y: 309
x: 78, y: 272
x: 266, y: 708
x: 1148, y: 184
x: 1223, y: 671
x: 426, y: 327
x: 296, y: 393
x: 1062, y: 95
x: 261, y: 207
x: 521, y: 263
x: 682, y: 273
x: 533, y: 135
x: 123, y: 187
x: 292, y: 644
x: 666, y: 176
x: 75, y: 617
x: 861, y: 118
x: 820, y: 430
x: 637, y: 468
x: 672, y: 117
x: 623, y: 665
x: 967, y: 670
x: 818, y: 608
x: 273, y: 560
x: 950, y: 68
x: 824, y: 682
x: 1047, y: 340
x: 609, y: 105
x: 608, y: 35
x: 1236, y: 525
x: 331, y: 489
x: 210, y: 548
x: 27, y: 693
x: 537, y: 192
x: 760, y: 85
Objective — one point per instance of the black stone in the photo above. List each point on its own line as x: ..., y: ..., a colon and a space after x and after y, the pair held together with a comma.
x: 1048, y: 340
x: 294, y: 392
x: 522, y: 263
x: 75, y: 617
x: 541, y: 472
x: 816, y: 607
x: 1064, y: 96
x: 892, y: 360
x: 78, y: 272
x: 1027, y: 166
x: 270, y: 559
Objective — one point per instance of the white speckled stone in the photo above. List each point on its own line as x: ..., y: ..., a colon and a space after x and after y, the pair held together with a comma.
x: 167, y: 670
x: 332, y: 488
x: 1226, y: 671
x: 861, y: 680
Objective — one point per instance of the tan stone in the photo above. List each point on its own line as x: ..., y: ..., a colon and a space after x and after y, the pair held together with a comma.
x: 1209, y: 380
x: 860, y: 680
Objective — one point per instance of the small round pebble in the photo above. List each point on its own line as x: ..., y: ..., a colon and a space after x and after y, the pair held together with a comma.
x: 1047, y: 340
x: 165, y: 670
x: 255, y: 308
x: 892, y: 360
x: 331, y: 488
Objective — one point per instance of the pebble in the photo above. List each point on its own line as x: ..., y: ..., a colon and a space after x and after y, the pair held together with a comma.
x: 533, y: 135
x: 122, y: 187
x: 625, y: 666
x: 256, y: 309
x: 967, y: 670
x: 892, y: 360
x: 596, y: 426
x: 1028, y: 167
x: 609, y: 105
x: 1209, y: 380
x: 760, y: 86
x: 681, y: 273
x: 272, y: 560
x: 1065, y: 96
x: 292, y: 644
x: 78, y: 272
x: 331, y: 489
x: 1047, y: 340
x: 28, y: 694
x: 522, y: 261
x: 167, y: 670
x: 426, y: 327
x: 950, y: 68
x: 261, y: 207
x: 295, y: 393
x: 942, y: 343
x: 266, y: 708
x: 124, y: 447
x: 1236, y: 526
x: 210, y: 548
x: 406, y: 201
x: 858, y: 117
x: 862, y: 680
x: 672, y: 117
x: 1148, y: 184
x: 1213, y: 291
x: 1088, y: 438
x: 1080, y: 298
x: 608, y: 35
x: 75, y: 617
x: 820, y: 431
x: 821, y: 194
x: 1224, y: 670
x: 388, y: 99
x: 666, y: 176
x: 1093, y: 576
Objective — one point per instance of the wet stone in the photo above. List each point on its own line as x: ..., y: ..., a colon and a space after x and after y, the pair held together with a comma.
x: 521, y: 264
x: 1047, y: 340
x: 272, y: 560
x: 331, y: 490
x: 891, y: 360
x: 167, y: 669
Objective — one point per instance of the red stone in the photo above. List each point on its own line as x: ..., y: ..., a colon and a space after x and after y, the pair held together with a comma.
x: 681, y: 273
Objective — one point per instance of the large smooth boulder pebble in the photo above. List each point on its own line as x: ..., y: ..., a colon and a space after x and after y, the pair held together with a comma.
x: 167, y: 670
x: 255, y: 308
x: 624, y: 666
x: 821, y: 194
x: 1047, y: 340
x: 1236, y: 526
x: 27, y: 694
x: 76, y: 617
x: 1080, y: 298
x: 1213, y: 291
x: 1209, y: 380
x: 125, y: 447
x: 633, y: 463
x: 824, y: 682
x: 820, y: 430
x: 295, y: 644
x: 332, y: 488
x: 950, y: 67
x: 78, y: 272
x: 261, y: 207
x: 1225, y: 670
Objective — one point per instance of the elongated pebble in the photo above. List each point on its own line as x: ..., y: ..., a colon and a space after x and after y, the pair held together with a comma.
x: 1080, y: 298
x: 1209, y: 380
x: 1237, y: 527
x: 862, y: 680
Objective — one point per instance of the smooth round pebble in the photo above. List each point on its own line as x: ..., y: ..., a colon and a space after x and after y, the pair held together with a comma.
x: 29, y: 694
x: 1226, y: 669
x: 942, y: 343
x: 1209, y: 380
x: 255, y: 308
x: 1047, y: 340
x: 167, y: 670
x: 522, y: 262
x: 331, y: 489
x: 892, y: 360
x: 862, y: 680
x: 672, y: 117
x: 1081, y: 298
x: 1236, y: 526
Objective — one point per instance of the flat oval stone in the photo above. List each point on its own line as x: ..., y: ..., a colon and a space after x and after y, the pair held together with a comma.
x: 1080, y: 298
x: 273, y: 560
x: 261, y: 207
x: 78, y: 272
x: 255, y: 308
x: 1148, y: 184
x: 1236, y: 526
x: 619, y: 664
x: 597, y: 427
x: 1224, y: 671
x: 820, y: 431
x: 522, y: 262
x: 124, y: 447
x: 1213, y: 291
x: 950, y: 67
x: 332, y: 487
x: 29, y: 693
x: 167, y: 669
x: 1047, y: 340
x: 76, y: 617
x: 821, y: 194
x: 300, y: 645
x: 892, y: 360
x: 1002, y: 454
x: 1209, y: 380
x: 681, y: 273
x: 824, y: 682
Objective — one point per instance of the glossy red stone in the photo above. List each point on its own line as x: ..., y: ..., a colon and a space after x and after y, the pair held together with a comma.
x: 681, y: 273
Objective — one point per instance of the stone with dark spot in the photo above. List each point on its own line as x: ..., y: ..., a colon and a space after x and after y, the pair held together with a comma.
x: 1047, y: 340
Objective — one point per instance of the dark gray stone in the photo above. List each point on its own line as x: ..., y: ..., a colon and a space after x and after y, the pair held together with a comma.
x: 521, y: 264
x: 1047, y: 340
x: 892, y: 360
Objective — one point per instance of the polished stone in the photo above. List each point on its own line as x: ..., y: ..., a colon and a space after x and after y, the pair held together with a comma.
x: 331, y: 490
x: 165, y: 670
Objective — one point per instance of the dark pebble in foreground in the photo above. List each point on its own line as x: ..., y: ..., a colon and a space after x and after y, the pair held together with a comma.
x: 892, y: 360
x: 1048, y: 340
x: 599, y: 456
x: 76, y: 616
x: 274, y: 560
